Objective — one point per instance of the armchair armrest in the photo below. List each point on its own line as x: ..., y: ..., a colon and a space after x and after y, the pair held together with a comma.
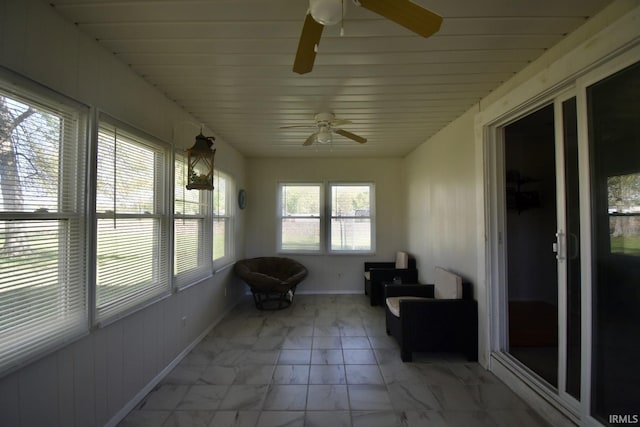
x: 408, y: 275
x: 418, y: 290
x: 375, y: 264
x: 438, y: 310
x: 382, y: 264
x: 414, y: 290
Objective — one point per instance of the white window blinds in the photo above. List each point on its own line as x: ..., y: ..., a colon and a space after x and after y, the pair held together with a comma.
x: 43, y: 298
x: 192, y: 241
x: 300, y: 208
x: 132, y: 243
x: 351, y: 225
x: 223, y: 214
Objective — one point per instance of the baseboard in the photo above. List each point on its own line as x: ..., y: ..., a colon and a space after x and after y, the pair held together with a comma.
x: 124, y: 411
x: 330, y: 292
x: 323, y: 292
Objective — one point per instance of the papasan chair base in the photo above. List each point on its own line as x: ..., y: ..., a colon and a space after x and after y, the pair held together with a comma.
x: 273, y: 301
x: 272, y: 280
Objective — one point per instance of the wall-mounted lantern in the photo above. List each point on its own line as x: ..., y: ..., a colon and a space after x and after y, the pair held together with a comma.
x: 200, y: 160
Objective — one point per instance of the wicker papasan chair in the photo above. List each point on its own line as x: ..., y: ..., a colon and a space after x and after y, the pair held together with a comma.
x: 272, y: 280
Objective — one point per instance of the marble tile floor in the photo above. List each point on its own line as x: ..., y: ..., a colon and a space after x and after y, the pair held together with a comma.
x: 326, y: 361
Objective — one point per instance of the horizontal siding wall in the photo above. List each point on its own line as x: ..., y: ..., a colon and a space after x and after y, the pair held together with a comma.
x: 90, y: 381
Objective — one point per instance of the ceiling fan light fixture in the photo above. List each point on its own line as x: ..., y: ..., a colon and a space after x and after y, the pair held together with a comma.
x: 326, y: 12
x: 324, y: 136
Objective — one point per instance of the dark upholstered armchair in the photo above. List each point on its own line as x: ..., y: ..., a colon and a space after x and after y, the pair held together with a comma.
x: 272, y: 280
x: 422, y: 318
x: 375, y: 273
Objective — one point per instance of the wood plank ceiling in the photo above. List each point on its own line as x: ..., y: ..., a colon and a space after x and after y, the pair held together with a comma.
x: 228, y: 62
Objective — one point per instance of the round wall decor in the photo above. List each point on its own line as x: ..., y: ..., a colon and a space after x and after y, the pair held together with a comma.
x: 242, y: 199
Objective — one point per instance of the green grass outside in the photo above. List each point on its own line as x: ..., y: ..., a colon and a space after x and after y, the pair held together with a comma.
x: 627, y: 245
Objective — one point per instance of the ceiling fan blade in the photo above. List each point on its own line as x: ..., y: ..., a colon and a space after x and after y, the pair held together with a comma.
x: 311, y: 139
x: 309, y: 38
x: 340, y: 122
x: 298, y: 127
x: 406, y: 13
x: 350, y: 135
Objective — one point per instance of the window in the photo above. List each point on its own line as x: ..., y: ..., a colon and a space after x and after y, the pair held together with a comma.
x: 192, y: 247
x: 43, y: 298
x: 300, y: 220
x: 223, y: 210
x: 132, y: 239
x: 351, y: 218
x: 624, y: 213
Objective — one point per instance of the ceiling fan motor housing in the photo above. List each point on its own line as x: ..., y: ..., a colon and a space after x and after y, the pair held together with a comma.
x: 324, y: 118
x: 326, y: 12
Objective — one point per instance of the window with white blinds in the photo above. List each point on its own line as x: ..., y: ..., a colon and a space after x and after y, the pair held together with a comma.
x: 300, y: 217
x: 192, y: 239
x: 132, y: 241
x: 223, y: 214
x: 43, y: 296
x: 351, y: 220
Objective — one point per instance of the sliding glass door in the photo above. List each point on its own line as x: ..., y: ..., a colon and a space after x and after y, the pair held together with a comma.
x: 613, y: 108
x: 566, y: 241
x: 531, y: 224
x: 542, y: 244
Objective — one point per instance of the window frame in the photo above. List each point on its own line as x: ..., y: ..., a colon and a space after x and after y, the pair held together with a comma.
x: 228, y: 218
x: 324, y: 217
x: 71, y: 214
x: 370, y: 217
x: 281, y: 217
x: 162, y: 263
x: 203, y: 269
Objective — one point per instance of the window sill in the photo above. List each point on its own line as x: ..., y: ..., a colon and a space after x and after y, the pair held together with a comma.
x: 194, y: 283
x: 224, y: 267
x: 134, y: 309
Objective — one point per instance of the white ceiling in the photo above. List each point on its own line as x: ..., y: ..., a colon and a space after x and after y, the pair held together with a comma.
x: 228, y: 62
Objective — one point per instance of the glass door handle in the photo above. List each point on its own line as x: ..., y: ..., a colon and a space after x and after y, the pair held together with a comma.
x: 574, y: 246
x: 558, y: 246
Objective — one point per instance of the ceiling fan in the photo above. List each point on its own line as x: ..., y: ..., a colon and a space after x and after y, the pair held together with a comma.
x: 329, y: 12
x: 326, y: 125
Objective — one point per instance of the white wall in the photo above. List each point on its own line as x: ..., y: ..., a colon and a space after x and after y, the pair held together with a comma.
x: 445, y: 176
x: 441, y: 205
x: 448, y: 169
x: 90, y: 381
x: 327, y: 274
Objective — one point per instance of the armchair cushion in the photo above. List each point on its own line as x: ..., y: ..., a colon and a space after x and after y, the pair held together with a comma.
x: 447, y: 285
x: 393, y: 303
x: 402, y: 260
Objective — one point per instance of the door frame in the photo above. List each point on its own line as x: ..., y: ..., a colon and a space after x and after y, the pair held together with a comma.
x: 491, y: 256
x: 562, y: 255
x: 497, y: 239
